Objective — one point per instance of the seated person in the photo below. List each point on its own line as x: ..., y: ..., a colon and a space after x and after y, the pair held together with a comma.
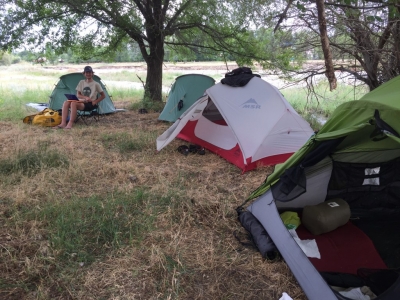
x: 87, y: 91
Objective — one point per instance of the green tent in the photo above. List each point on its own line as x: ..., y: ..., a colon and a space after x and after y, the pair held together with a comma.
x: 355, y: 157
x: 184, y: 92
x: 67, y: 85
x: 355, y: 121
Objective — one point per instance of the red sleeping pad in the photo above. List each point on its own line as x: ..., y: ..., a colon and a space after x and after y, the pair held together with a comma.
x: 344, y: 250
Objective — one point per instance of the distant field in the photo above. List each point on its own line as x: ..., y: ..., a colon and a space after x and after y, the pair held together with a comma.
x: 23, y: 83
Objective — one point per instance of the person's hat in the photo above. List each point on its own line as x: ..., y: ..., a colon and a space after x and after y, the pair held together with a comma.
x: 88, y: 69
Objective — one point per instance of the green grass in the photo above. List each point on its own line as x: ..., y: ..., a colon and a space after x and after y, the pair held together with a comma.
x: 31, y: 162
x: 126, y: 143
x: 125, y: 95
x: 81, y: 229
x: 124, y: 75
x: 323, y: 102
x: 13, y: 101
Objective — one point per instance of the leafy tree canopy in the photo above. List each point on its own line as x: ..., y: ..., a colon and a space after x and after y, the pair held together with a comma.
x: 207, y: 26
x: 364, y: 34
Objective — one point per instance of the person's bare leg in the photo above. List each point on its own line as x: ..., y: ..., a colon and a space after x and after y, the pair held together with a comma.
x: 65, y: 109
x: 73, y: 113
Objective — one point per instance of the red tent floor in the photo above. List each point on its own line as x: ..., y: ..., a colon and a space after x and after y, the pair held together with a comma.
x: 344, y: 250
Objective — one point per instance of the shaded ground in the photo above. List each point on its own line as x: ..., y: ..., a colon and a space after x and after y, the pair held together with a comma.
x: 189, y: 252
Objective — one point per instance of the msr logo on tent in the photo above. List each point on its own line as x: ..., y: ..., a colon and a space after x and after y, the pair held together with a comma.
x: 252, y: 104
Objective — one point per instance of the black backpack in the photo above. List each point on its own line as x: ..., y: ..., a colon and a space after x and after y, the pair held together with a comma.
x: 239, y: 77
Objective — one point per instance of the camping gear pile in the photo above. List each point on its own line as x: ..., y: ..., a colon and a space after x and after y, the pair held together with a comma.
x: 345, y: 185
x: 249, y: 126
x: 326, y: 216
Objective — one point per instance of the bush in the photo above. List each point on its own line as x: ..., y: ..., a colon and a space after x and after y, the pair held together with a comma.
x: 6, y: 59
x: 16, y: 60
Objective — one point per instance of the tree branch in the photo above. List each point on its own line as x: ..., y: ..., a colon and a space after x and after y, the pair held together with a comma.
x: 330, y: 73
x: 283, y: 15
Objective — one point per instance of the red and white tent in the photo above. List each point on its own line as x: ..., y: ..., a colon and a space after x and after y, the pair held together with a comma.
x: 249, y: 126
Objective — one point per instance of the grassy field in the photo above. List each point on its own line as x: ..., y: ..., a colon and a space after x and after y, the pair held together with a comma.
x: 96, y: 213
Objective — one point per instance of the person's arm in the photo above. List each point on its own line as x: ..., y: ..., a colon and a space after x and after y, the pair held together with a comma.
x: 100, y: 93
x: 83, y: 98
x: 97, y: 101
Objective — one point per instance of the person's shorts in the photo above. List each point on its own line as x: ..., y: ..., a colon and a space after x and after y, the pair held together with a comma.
x: 89, y: 106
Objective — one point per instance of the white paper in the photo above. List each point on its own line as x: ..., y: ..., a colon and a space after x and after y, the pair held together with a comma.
x: 309, y: 247
x: 285, y: 297
x: 355, y: 294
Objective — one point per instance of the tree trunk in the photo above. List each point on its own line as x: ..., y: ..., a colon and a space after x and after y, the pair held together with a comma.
x: 155, y: 57
x: 154, y: 61
x: 153, y: 86
x: 330, y: 72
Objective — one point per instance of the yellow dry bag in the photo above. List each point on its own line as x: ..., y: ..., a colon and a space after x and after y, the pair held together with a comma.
x: 46, y: 117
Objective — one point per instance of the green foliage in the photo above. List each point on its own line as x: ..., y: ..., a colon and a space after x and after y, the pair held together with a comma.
x: 51, y: 54
x: 26, y: 55
x: 300, y: 6
x: 66, y: 32
x: 6, y: 59
x: 16, y: 59
x: 283, y: 55
x: 374, y: 18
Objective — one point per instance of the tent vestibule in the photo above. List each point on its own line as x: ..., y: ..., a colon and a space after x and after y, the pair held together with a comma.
x: 355, y: 157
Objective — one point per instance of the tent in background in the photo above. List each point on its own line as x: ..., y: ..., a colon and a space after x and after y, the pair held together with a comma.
x: 184, y: 92
x: 67, y: 85
x: 248, y: 126
x: 355, y: 157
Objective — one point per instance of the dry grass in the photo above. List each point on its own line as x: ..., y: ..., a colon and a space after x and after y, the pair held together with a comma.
x: 187, y: 249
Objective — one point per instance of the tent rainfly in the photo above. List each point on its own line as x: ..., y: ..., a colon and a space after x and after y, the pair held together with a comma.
x: 249, y: 126
x: 67, y: 85
x: 354, y: 158
x: 184, y: 92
